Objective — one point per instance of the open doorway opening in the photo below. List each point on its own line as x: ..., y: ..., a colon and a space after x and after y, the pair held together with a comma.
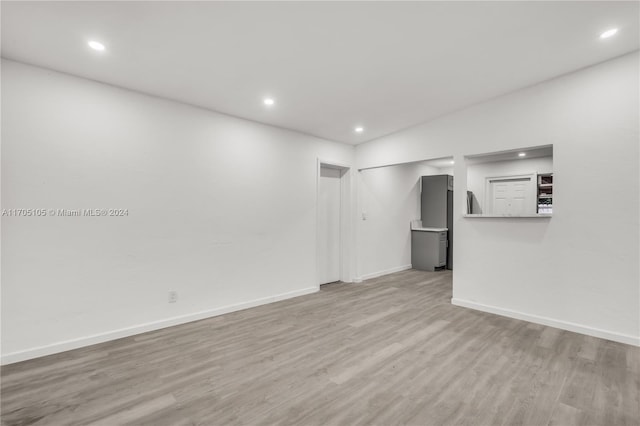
x: 405, y: 217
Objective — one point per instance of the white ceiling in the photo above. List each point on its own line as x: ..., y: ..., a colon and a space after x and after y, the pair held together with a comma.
x: 330, y: 66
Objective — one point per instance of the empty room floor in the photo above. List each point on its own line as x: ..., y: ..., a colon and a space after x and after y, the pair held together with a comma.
x: 391, y: 350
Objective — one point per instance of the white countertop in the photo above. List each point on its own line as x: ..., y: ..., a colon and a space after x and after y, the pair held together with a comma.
x: 430, y: 229
x: 537, y: 215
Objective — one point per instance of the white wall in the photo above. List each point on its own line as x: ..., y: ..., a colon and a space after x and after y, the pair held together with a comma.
x: 477, y: 174
x: 445, y: 171
x: 579, y: 269
x: 222, y: 210
x: 390, y: 198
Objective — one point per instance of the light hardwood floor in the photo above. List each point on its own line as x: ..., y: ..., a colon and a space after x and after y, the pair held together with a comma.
x: 391, y: 350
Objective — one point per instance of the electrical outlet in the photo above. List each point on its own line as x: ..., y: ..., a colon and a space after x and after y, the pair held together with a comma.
x: 173, y: 296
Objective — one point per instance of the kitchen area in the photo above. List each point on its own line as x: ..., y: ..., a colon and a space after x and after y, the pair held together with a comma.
x: 406, y: 217
x: 432, y: 235
x: 407, y: 209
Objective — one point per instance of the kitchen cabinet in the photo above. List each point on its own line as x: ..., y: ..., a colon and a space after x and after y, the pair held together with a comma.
x: 429, y: 248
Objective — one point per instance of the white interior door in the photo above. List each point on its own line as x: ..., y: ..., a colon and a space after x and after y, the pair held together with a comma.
x: 329, y: 225
x: 512, y: 196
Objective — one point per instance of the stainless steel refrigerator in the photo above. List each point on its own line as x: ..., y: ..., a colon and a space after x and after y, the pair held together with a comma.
x: 437, y: 207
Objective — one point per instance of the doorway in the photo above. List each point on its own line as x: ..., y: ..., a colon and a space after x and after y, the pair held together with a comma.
x: 333, y: 219
x: 329, y: 232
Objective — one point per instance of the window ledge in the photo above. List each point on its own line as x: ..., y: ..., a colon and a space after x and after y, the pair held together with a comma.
x: 508, y: 216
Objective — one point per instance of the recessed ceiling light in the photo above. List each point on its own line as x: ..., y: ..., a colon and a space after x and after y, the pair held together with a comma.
x: 96, y: 45
x: 522, y: 154
x: 269, y: 101
x: 609, y: 33
x: 359, y: 129
x: 453, y: 162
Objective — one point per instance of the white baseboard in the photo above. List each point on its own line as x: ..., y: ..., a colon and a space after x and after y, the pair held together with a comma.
x: 564, y: 325
x: 381, y: 273
x: 67, y: 345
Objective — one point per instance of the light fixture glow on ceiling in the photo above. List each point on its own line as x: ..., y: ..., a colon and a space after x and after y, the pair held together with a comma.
x: 359, y: 129
x: 609, y: 33
x: 269, y: 101
x: 96, y: 45
x: 453, y: 162
x: 522, y: 154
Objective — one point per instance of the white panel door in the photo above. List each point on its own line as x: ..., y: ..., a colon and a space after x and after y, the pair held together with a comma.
x: 329, y: 225
x: 519, y: 197
x: 500, y: 197
x: 512, y: 196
